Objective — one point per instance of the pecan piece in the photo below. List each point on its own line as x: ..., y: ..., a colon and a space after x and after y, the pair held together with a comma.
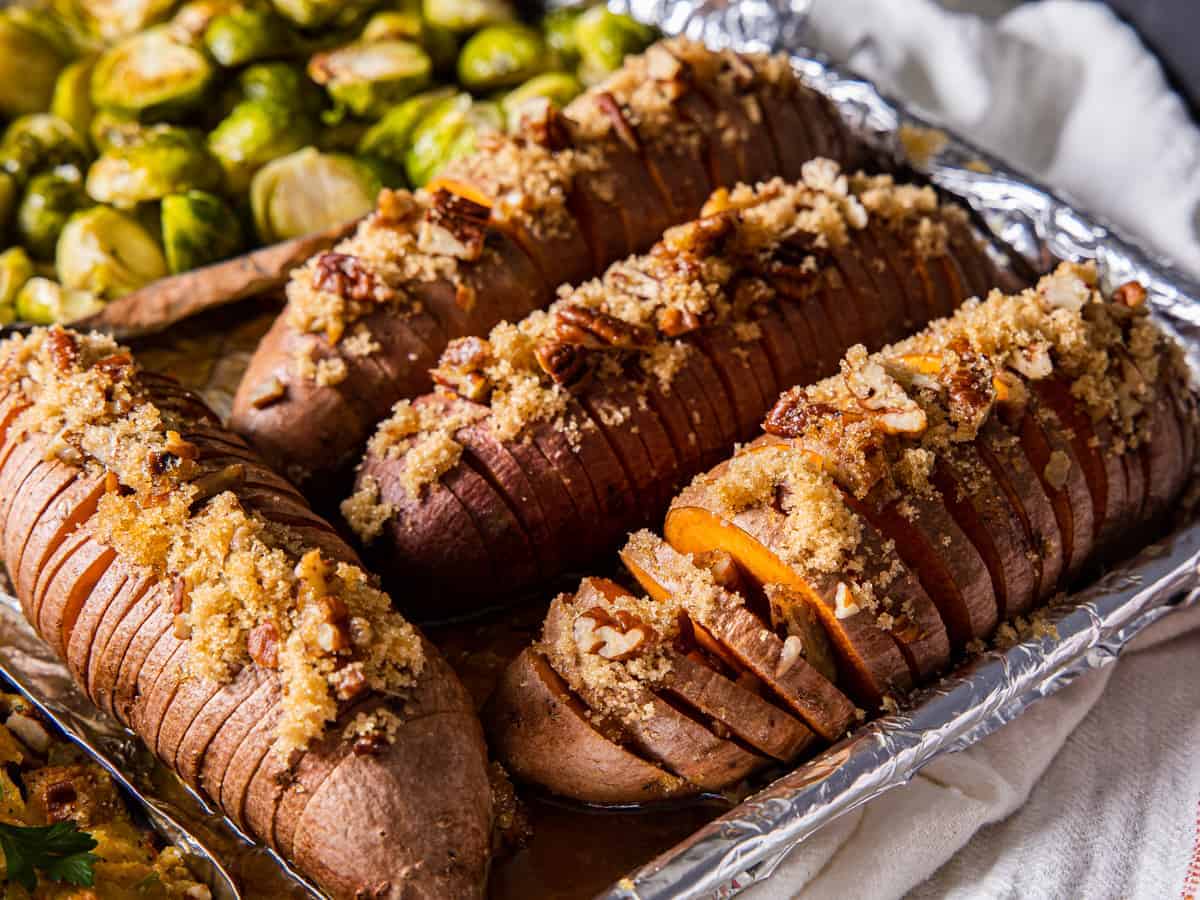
x: 63, y: 349
x: 1131, y: 294
x: 209, y: 485
x: 565, y: 363
x: 116, y: 366
x: 673, y: 321
x: 700, y: 237
x: 454, y: 225
x: 346, y: 276
x: 461, y: 368
x: 618, y: 636
x: 598, y: 330
x: 794, y: 414
x: 542, y: 123
x: 607, y: 104
x: 263, y: 645
x: 268, y: 392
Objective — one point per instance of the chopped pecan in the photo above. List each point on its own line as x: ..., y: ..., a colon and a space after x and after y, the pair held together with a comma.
x: 885, y: 399
x: 1131, y: 294
x: 608, y: 105
x: 542, y: 123
x: 794, y: 414
x: 700, y: 237
x: 116, y: 366
x: 346, y: 276
x: 370, y: 744
x: 617, y: 636
x: 209, y: 485
x: 461, y: 368
x: 565, y: 363
x: 332, y: 638
x: 263, y: 645
x: 179, y: 595
x: 673, y: 321
x: 396, y: 207
x: 970, y: 390
x: 178, y: 447
x: 268, y: 392
x: 598, y: 330
x: 349, y: 682
x: 454, y: 225
x: 63, y: 348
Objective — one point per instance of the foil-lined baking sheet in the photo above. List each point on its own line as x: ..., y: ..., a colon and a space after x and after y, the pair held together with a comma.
x: 1036, y: 227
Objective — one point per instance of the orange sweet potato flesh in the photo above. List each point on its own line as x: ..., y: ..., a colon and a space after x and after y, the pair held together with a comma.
x: 113, y: 625
x: 314, y: 429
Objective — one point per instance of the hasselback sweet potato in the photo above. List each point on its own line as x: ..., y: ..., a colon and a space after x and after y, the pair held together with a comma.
x: 194, y: 595
x: 548, y: 441
x: 893, y: 513
x: 496, y: 234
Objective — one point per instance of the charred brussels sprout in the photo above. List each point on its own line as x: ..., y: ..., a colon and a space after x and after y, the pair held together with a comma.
x: 15, y: 269
x: 192, y: 19
x: 72, y: 101
x: 560, y: 88
x: 368, y: 78
x: 43, y: 301
x: 198, y: 229
x: 448, y: 131
x: 408, y: 25
x: 151, y: 74
x: 256, y: 132
x: 49, y: 201
x: 163, y: 160
x: 390, y: 138
x: 501, y: 56
x: 311, y: 13
x: 29, y: 66
x: 281, y: 83
x: 242, y: 36
x: 558, y: 28
x: 310, y: 191
x: 39, y: 142
x: 110, y: 129
x: 467, y: 15
x: 605, y: 38
x: 107, y: 253
x: 111, y: 20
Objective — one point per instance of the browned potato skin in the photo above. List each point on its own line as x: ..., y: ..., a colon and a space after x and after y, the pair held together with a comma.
x: 413, y: 820
x: 317, y: 430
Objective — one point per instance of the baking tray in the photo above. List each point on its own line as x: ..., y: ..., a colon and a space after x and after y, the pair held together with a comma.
x: 743, y: 846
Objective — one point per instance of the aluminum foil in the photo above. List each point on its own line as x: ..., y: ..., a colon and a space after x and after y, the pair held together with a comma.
x: 1035, y: 226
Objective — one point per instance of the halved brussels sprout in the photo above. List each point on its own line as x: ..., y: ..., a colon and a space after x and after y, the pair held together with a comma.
x: 29, y: 65
x: 50, y: 199
x: 448, y: 131
x: 311, y: 13
x: 198, y: 229
x: 282, y: 83
x: 43, y: 301
x: 72, y: 100
x: 39, y: 142
x: 151, y: 74
x: 164, y: 160
x: 243, y: 35
x: 108, y: 253
x: 60, y: 32
x: 112, y: 20
x: 389, y: 139
x: 408, y: 25
x: 110, y: 129
x: 310, y: 191
x: 560, y: 88
x: 192, y: 19
x: 467, y: 15
x: 368, y: 78
x: 558, y: 27
x: 605, y: 38
x: 501, y: 56
x: 15, y: 269
x: 256, y: 132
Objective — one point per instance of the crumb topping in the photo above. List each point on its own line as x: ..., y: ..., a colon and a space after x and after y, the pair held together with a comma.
x: 244, y: 589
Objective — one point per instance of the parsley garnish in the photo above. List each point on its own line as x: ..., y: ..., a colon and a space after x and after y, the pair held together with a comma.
x: 61, y: 851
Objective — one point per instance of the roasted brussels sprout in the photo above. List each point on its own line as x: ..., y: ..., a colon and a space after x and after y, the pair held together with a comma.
x: 192, y: 19
x: 151, y: 74
x: 40, y: 142
x: 467, y: 15
x: 108, y: 253
x: 310, y: 191
x: 558, y: 28
x: 368, y: 78
x: 15, y: 269
x: 111, y: 21
x: 256, y: 132
x: 501, y: 56
x: 29, y: 65
x: 109, y: 129
x: 49, y: 200
x: 311, y: 13
x: 448, y: 131
x: 243, y: 35
x: 43, y: 301
x: 62, y: 33
x: 605, y: 38
x: 390, y: 138
x: 281, y: 83
x: 407, y: 25
x: 560, y: 88
x: 198, y: 229
x: 163, y: 160
x: 72, y: 100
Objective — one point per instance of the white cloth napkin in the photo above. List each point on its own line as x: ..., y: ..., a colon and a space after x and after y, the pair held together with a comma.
x: 1094, y: 792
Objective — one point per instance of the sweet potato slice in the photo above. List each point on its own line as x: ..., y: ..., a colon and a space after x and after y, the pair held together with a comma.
x: 868, y: 659
x: 87, y: 623
x: 243, y: 765
x: 533, y: 717
x: 64, y: 514
x: 198, y: 735
x: 69, y: 590
x: 104, y: 657
x: 663, y: 571
x: 1163, y: 459
x: 29, y: 506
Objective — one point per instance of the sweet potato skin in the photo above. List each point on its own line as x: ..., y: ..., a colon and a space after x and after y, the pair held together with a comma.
x: 384, y: 803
